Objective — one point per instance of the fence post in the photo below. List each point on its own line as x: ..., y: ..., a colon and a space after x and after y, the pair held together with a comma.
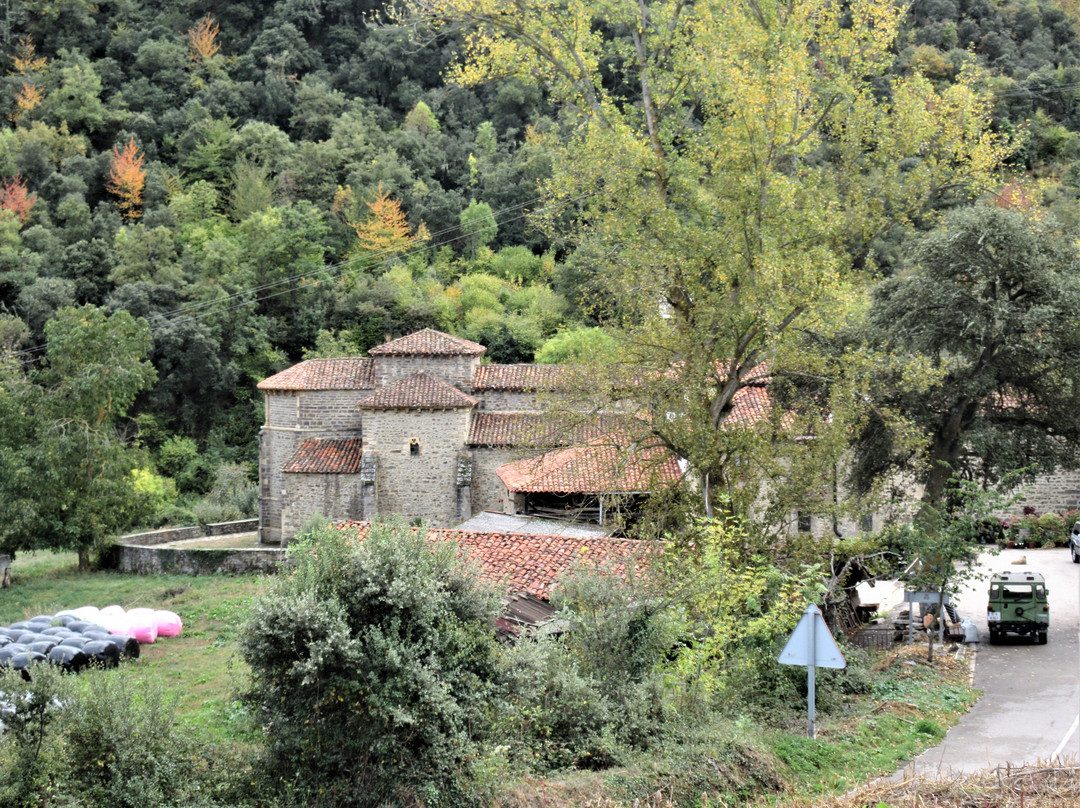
x: 5, y: 571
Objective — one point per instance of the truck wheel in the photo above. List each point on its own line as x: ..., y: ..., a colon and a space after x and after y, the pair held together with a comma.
x: 1075, y: 554
x: 1042, y: 638
x: 993, y: 636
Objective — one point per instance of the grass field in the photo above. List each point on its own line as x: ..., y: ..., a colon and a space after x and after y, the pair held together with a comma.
x: 200, y: 668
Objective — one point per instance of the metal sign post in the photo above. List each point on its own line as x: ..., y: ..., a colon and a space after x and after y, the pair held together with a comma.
x: 812, y: 644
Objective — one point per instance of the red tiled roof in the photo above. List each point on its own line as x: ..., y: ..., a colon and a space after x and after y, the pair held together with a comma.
x: 523, y: 562
x: 520, y: 378
x: 536, y: 429
x: 326, y: 456
x: 353, y: 373
x: 428, y: 342
x: 601, y: 466
x: 418, y: 392
x: 750, y: 405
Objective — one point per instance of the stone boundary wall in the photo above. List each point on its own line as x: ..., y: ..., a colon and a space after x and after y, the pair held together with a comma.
x: 140, y: 553
x: 169, y: 534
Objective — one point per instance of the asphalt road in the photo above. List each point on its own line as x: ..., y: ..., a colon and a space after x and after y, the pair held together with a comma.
x: 1030, y: 708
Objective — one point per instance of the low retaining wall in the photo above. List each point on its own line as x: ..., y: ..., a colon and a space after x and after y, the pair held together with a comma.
x: 170, y: 534
x: 141, y: 553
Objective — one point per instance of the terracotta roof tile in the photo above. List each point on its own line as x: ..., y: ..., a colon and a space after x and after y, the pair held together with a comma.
x: 521, y: 378
x: 326, y: 456
x: 750, y: 405
x: 522, y: 562
x: 324, y: 374
x: 601, y: 466
x: 418, y: 392
x: 428, y: 342
x: 535, y: 429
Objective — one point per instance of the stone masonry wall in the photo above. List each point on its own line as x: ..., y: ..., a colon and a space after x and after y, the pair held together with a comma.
x: 175, y: 561
x: 282, y: 409
x: 334, y: 496
x: 275, y: 447
x: 489, y: 493
x: 423, y: 486
x: 330, y: 411
x: 455, y: 370
x: 1057, y: 492
x: 504, y: 401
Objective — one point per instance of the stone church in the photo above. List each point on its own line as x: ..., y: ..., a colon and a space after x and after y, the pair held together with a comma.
x: 423, y: 429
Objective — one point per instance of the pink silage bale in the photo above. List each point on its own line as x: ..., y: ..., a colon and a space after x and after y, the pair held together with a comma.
x: 169, y: 623
x: 143, y: 625
x: 113, y: 610
x: 114, y: 623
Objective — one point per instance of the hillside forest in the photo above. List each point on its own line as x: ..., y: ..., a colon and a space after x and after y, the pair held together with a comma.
x: 869, y: 210
x: 260, y: 183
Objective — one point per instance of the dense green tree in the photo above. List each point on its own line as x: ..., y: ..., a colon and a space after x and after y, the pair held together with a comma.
x: 990, y: 298
x: 731, y: 179
x: 65, y: 482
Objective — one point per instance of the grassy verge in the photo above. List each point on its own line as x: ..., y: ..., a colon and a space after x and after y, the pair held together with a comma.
x: 200, y: 668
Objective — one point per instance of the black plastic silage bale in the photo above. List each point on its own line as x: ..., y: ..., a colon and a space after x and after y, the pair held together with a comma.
x: 10, y: 633
x: 83, y: 625
x: 102, y: 653
x: 22, y: 625
x: 58, y: 631
x: 42, y: 647
x: 75, y: 642
x: 24, y: 660
x: 129, y: 646
x: 28, y: 637
x: 68, y: 659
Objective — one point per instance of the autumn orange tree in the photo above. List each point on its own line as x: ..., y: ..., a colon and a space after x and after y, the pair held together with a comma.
x: 127, y: 178
x: 727, y: 164
x: 15, y: 196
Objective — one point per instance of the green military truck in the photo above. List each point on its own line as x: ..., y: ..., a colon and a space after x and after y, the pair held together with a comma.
x: 1018, y: 604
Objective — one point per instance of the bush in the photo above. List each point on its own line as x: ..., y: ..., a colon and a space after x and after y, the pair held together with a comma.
x: 597, y: 690
x: 232, y: 497
x: 373, y: 661
x: 99, y: 740
x: 1051, y: 530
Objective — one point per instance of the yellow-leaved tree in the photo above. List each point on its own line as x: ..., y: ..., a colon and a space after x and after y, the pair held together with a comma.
x: 728, y: 164
x: 127, y: 178
x: 385, y: 232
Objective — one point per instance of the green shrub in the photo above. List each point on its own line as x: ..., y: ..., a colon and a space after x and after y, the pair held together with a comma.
x: 373, y: 662
x: 233, y: 497
x: 101, y: 740
x: 28, y: 748
x: 1051, y: 530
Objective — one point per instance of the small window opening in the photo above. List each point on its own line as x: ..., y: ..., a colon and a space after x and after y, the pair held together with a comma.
x: 804, y: 522
x: 414, y: 447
